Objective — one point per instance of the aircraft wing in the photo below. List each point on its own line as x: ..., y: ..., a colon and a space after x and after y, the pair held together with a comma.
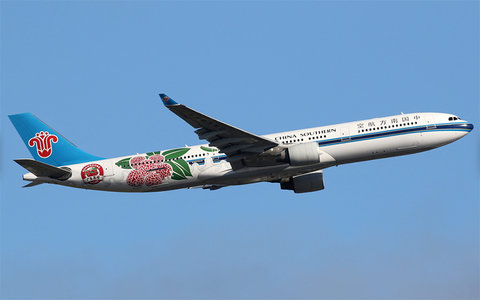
x: 236, y: 143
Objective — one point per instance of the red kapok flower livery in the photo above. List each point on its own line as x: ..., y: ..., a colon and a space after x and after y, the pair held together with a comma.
x: 135, y: 178
x: 164, y: 170
x: 43, y: 142
x: 153, y: 179
x: 155, y: 167
x: 92, y: 173
x: 157, y: 158
x: 150, y: 171
x: 136, y: 161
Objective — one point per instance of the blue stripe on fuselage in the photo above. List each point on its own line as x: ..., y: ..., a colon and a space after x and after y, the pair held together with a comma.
x: 463, y: 126
x: 416, y: 129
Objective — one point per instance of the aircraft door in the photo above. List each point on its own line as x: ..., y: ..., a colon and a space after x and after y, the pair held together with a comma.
x: 345, y: 134
x: 431, y: 124
x: 109, y: 170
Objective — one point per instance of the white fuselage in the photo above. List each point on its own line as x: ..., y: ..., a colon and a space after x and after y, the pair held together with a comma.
x: 204, y: 166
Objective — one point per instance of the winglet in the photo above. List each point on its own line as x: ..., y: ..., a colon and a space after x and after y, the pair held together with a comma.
x: 167, y: 101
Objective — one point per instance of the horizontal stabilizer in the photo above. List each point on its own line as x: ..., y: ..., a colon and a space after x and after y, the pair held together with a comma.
x: 40, y: 169
x: 33, y: 183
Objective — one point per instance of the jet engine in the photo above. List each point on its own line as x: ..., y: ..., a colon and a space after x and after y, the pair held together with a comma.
x: 302, y: 154
x: 310, y: 182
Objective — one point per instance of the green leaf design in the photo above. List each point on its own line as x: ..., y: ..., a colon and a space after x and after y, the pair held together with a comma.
x: 175, y: 176
x: 174, y: 153
x: 124, y: 163
x: 152, y: 153
x: 181, y: 169
x: 177, y: 172
x: 208, y: 149
x: 183, y: 165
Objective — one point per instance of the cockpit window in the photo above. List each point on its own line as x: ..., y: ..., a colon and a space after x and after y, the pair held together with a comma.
x: 454, y: 118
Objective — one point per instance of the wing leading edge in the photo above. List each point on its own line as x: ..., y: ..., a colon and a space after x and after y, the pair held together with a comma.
x: 236, y: 143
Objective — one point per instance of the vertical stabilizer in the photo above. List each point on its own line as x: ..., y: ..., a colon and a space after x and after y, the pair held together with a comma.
x: 47, y: 145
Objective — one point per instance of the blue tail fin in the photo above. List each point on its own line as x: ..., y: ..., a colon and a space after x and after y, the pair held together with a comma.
x: 47, y: 145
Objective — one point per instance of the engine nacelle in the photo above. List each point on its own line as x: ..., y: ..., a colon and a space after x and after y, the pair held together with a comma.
x: 310, y: 182
x: 303, y: 154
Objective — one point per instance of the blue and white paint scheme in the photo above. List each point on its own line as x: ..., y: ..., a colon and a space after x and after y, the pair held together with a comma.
x: 294, y: 159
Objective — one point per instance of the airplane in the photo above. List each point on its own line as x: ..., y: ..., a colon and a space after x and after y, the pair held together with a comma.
x: 294, y: 159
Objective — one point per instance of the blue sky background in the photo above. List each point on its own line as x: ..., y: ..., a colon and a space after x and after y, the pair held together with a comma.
x: 398, y: 228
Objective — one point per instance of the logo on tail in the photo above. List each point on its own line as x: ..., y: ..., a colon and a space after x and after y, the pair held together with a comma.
x: 43, y: 142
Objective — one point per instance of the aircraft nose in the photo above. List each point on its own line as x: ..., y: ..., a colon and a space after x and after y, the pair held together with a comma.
x: 465, y: 126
